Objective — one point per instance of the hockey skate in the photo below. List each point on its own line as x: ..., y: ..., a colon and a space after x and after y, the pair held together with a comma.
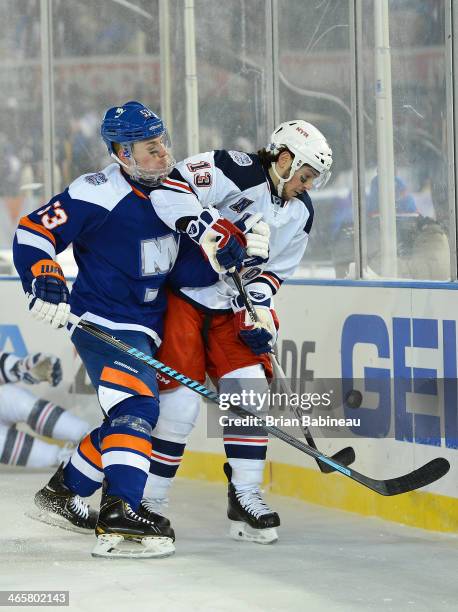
x: 58, y: 506
x: 153, y: 510
x: 123, y: 533
x: 251, y: 518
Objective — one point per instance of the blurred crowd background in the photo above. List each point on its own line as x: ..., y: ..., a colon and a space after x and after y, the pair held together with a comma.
x: 258, y: 62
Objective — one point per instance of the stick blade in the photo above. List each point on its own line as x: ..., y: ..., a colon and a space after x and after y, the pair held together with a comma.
x: 421, y: 477
x: 346, y: 456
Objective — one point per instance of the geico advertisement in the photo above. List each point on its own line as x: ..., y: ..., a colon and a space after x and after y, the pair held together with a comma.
x: 398, y: 347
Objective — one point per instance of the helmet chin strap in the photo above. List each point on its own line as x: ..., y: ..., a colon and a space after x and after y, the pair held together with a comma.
x: 116, y: 158
x: 281, y: 180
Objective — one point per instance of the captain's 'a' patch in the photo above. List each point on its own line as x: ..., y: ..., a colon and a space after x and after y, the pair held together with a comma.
x: 240, y: 158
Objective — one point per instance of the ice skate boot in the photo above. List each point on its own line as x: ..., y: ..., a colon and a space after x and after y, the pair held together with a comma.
x: 123, y: 533
x: 60, y: 507
x: 153, y: 510
x: 251, y: 518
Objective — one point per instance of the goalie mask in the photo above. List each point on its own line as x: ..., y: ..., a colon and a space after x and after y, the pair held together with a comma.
x: 307, y: 145
x: 133, y: 122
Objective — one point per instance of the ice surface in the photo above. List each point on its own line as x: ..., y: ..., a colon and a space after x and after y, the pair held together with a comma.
x: 324, y: 560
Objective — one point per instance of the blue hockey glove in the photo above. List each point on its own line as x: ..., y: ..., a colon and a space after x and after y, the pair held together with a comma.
x: 49, y: 297
x: 262, y: 335
x: 223, y: 244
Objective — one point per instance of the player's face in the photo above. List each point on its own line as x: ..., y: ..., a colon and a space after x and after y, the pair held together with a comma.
x: 302, y: 180
x: 152, y: 154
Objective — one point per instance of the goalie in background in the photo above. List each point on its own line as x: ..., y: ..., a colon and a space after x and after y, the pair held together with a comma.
x: 18, y: 405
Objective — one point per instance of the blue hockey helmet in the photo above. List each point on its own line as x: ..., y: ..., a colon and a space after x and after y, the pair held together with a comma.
x: 130, y: 122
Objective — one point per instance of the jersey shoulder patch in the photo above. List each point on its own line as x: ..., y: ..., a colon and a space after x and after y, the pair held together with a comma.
x: 243, y: 169
x: 105, y: 188
x: 98, y: 178
x: 240, y: 158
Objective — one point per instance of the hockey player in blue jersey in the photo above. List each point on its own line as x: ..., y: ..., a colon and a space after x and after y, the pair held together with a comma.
x: 207, y: 328
x: 124, y: 252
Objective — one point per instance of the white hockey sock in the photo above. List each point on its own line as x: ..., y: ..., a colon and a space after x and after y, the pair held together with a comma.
x: 19, y: 448
x: 48, y: 419
x: 16, y: 404
x: 44, y: 417
x: 178, y: 413
x: 246, y: 445
x: 247, y: 474
x: 70, y: 427
x: 157, y: 487
x: 43, y: 454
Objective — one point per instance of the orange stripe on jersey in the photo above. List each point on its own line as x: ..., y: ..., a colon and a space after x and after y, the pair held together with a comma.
x: 47, y: 267
x: 177, y: 184
x: 88, y: 450
x: 26, y: 222
x: 127, y: 441
x: 125, y: 380
x: 138, y: 192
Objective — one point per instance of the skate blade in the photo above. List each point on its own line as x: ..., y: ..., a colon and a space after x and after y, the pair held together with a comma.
x: 243, y: 532
x: 114, y: 546
x: 49, y: 518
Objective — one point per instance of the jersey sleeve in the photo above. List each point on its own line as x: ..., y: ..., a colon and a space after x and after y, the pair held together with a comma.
x: 189, y: 188
x: 205, y: 180
x: 44, y: 233
x: 210, y: 177
x: 285, y: 263
x: 220, y: 174
x: 175, y: 200
x: 284, y: 266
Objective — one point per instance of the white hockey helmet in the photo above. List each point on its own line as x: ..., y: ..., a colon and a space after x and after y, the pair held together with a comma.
x: 307, y: 145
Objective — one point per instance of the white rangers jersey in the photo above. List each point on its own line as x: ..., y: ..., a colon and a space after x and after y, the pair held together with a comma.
x: 234, y: 183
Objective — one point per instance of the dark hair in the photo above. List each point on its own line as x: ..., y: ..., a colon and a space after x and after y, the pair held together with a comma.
x: 267, y: 157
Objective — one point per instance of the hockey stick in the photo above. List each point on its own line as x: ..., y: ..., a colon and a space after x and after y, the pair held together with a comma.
x: 425, y: 475
x: 346, y: 456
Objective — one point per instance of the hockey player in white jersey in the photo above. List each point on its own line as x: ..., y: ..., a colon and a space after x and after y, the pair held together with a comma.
x: 200, y: 336
x: 18, y: 405
x: 207, y: 329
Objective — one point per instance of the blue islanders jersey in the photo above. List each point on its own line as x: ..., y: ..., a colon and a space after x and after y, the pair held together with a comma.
x: 122, y: 248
